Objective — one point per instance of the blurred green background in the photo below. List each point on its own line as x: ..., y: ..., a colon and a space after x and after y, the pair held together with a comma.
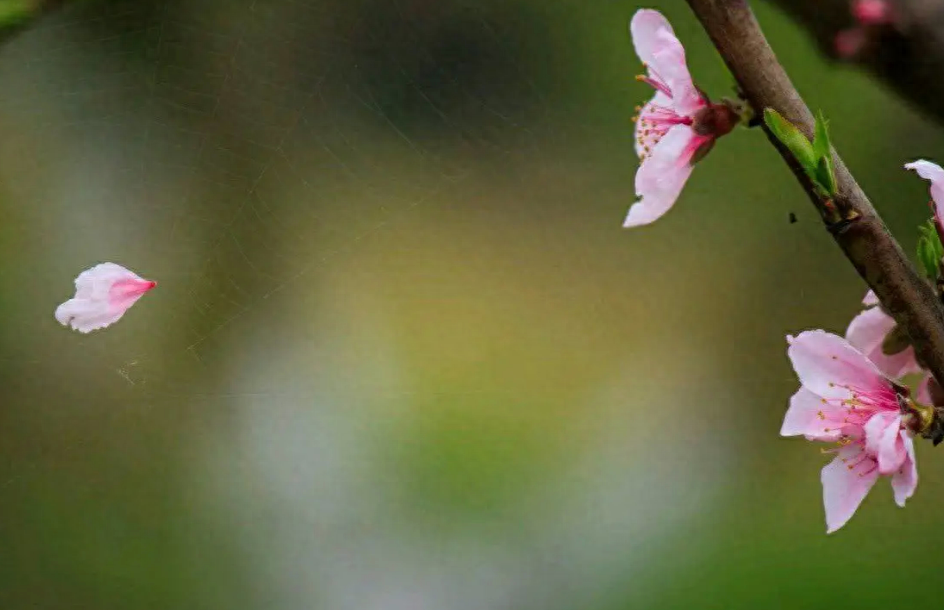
x: 402, y: 355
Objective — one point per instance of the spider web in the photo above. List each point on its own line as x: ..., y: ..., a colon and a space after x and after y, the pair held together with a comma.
x: 239, y: 153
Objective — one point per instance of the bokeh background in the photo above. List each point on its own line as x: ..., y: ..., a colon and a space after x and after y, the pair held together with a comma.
x: 402, y: 355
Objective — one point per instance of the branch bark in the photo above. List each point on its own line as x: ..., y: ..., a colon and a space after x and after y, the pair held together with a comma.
x: 908, y: 57
x: 858, y: 229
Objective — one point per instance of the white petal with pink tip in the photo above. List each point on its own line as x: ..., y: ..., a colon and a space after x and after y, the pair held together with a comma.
x: 103, y: 294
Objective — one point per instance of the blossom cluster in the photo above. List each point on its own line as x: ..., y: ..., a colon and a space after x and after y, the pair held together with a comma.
x: 852, y: 389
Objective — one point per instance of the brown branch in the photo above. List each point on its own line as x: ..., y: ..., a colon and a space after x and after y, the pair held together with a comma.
x: 908, y: 57
x: 32, y: 10
x: 852, y: 220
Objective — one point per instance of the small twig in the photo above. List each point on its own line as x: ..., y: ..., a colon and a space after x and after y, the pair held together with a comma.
x: 861, y: 234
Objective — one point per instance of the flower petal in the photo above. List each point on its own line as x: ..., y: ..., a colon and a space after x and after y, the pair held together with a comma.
x: 867, y: 330
x: 870, y: 299
x: 810, y: 416
x: 872, y: 12
x: 905, y: 480
x: 103, y: 294
x: 828, y: 366
x: 934, y: 173
x: 86, y: 315
x: 646, y: 28
x: 927, y: 170
x: 883, y: 441
x: 874, y: 428
x: 659, y: 48
x: 661, y: 176
x: 671, y: 66
x: 867, y: 333
x: 846, y: 481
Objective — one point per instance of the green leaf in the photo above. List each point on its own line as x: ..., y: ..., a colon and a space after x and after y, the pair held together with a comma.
x: 930, y: 249
x: 935, y: 240
x: 927, y: 258
x: 821, y: 145
x: 825, y: 173
x: 790, y: 136
x: 825, y: 176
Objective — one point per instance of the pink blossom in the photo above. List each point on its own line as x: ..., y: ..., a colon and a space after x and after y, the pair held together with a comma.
x: 872, y: 12
x: 867, y: 333
x: 845, y: 399
x: 676, y: 127
x: 102, y: 295
x: 870, y: 17
x: 935, y: 174
x: 851, y: 42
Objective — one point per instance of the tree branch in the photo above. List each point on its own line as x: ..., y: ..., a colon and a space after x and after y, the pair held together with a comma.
x: 850, y: 217
x: 17, y: 15
x: 909, y: 56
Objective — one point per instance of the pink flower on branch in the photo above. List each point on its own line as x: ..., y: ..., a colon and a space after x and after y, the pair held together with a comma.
x: 102, y: 295
x: 869, y: 331
x: 934, y: 173
x: 870, y: 17
x: 845, y: 399
x: 872, y: 12
x: 678, y: 126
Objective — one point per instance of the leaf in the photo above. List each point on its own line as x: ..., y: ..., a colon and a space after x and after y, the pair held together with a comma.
x: 815, y: 158
x: 930, y: 249
x: 936, y: 245
x: 790, y: 136
x: 822, y: 148
x: 927, y: 258
x: 825, y: 176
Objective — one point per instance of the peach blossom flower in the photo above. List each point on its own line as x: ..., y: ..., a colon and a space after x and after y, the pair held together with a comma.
x: 845, y: 399
x: 676, y: 127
